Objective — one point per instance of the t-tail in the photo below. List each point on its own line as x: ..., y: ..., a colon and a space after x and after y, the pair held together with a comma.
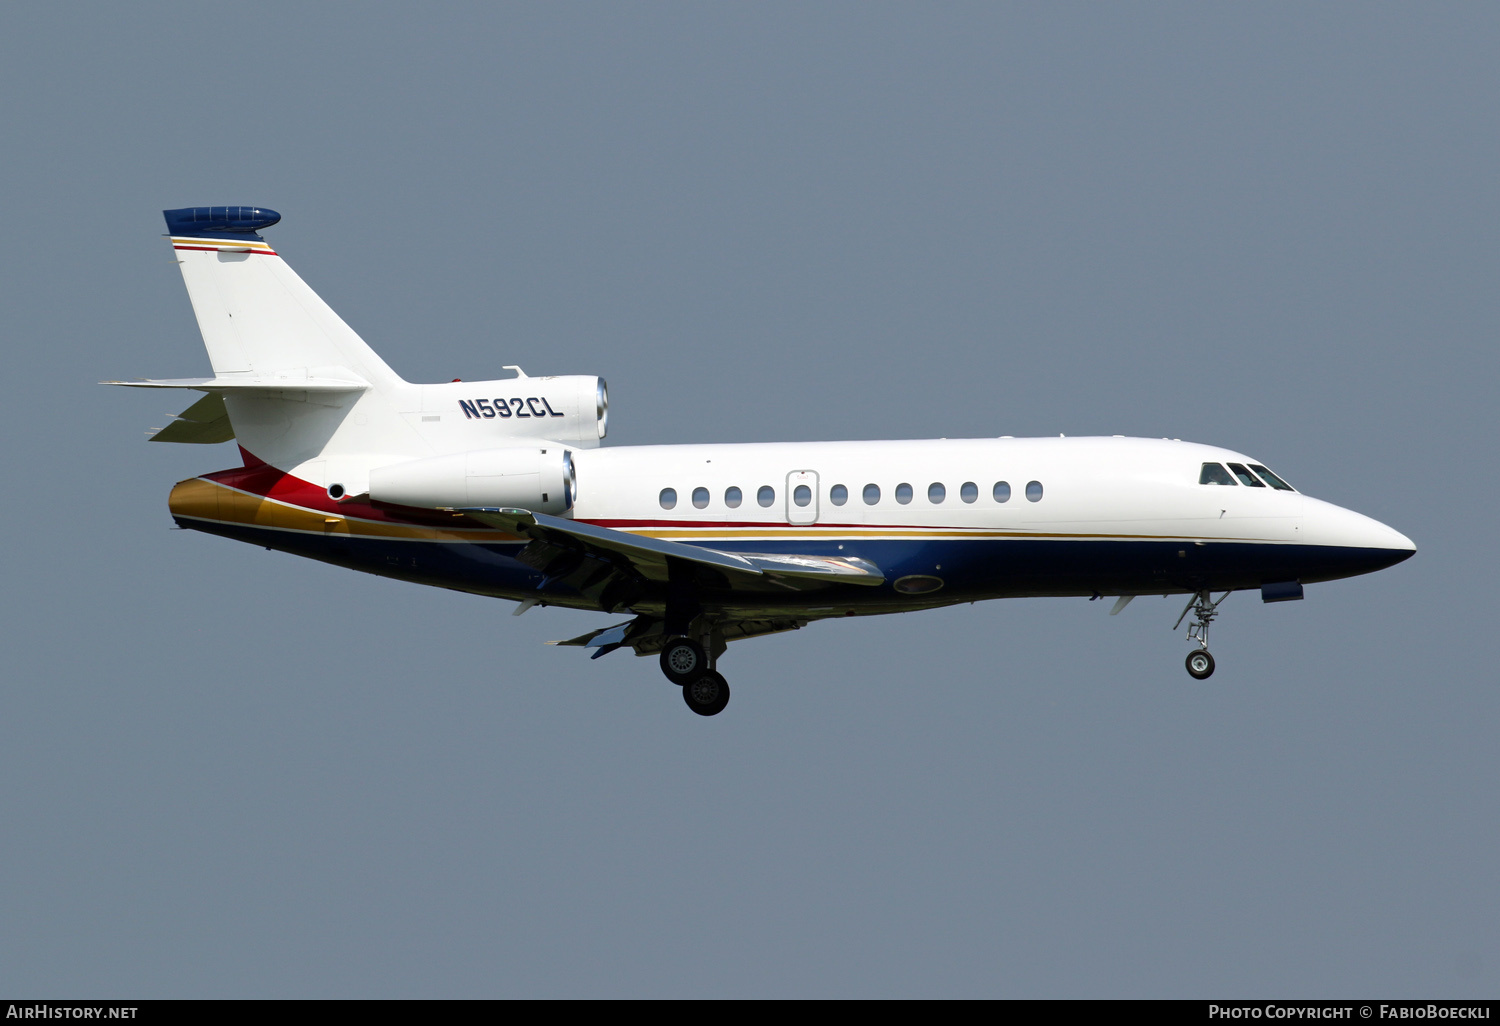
x: 302, y: 392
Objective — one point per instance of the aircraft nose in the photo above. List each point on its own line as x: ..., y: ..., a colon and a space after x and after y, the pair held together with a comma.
x: 1329, y: 525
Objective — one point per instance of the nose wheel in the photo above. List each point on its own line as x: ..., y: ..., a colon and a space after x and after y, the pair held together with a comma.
x: 1200, y: 665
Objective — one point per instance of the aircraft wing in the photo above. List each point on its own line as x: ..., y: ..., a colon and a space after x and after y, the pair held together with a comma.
x: 649, y: 556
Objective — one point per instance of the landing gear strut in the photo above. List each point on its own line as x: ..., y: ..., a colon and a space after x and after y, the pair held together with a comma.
x: 1200, y: 664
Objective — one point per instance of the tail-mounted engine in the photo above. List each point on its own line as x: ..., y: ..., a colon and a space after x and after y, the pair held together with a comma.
x: 540, y: 479
x: 571, y: 408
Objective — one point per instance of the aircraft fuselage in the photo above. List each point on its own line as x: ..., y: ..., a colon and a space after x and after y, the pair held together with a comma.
x: 1104, y: 516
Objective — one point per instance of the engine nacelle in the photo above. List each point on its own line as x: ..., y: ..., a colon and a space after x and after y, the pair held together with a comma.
x: 570, y: 408
x: 540, y: 479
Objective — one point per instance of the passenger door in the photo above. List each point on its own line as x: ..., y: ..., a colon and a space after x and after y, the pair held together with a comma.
x: 802, y: 497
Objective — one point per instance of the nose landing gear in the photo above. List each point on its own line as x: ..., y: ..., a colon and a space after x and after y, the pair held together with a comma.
x: 1200, y: 664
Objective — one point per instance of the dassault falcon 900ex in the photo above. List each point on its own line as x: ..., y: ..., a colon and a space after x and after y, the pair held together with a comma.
x: 501, y: 488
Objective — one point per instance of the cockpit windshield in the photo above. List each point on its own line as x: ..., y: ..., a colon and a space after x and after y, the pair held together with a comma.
x: 1271, y: 479
x: 1247, y: 479
x: 1239, y: 474
x: 1214, y: 473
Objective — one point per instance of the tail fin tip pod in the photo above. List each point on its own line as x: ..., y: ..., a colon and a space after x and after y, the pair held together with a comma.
x: 219, y: 222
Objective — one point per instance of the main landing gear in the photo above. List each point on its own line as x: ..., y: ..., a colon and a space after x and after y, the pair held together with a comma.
x: 685, y: 664
x: 1200, y: 664
x: 707, y: 694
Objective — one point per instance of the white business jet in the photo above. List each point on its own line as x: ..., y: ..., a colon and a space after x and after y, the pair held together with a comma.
x: 501, y: 488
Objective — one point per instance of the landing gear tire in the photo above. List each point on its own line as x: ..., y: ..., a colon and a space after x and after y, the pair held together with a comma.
x: 683, y: 661
x: 1200, y: 665
x: 706, y: 694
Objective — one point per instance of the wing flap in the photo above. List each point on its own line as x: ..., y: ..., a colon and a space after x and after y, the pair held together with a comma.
x: 647, y: 636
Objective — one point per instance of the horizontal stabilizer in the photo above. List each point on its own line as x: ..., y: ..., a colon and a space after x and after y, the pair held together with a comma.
x: 249, y: 384
x: 204, y: 423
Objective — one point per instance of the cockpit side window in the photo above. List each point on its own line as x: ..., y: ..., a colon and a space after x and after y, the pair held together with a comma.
x: 1271, y: 479
x: 1246, y: 478
x: 1214, y: 473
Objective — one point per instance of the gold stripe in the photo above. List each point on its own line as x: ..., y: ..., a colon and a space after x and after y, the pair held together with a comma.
x: 210, y: 500
x: 926, y: 534
x: 220, y: 242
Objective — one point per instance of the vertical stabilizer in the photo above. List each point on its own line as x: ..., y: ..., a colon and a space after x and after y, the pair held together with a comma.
x: 257, y: 316
x: 298, y: 384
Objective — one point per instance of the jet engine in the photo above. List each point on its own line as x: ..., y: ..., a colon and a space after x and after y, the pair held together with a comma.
x: 572, y: 408
x: 533, y: 478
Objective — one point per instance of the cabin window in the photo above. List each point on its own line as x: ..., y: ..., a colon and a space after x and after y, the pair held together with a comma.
x: 1246, y: 478
x: 1001, y: 491
x: 903, y: 493
x: 766, y: 495
x: 969, y: 492
x: 936, y: 493
x: 1213, y: 473
x: 1033, y: 491
x: 668, y: 498
x: 838, y: 495
x: 872, y: 494
x: 733, y: 497
x: 1271, y: 479
x: 700, y: 497
x: 802, y: 495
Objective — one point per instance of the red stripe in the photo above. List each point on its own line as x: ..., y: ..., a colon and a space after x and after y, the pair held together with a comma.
x: 689, y: 523
x: 260, y: 478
